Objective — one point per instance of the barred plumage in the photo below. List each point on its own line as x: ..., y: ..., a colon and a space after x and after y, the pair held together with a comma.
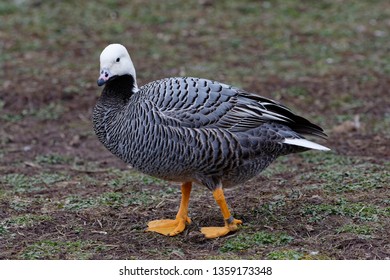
x: 193, y: 130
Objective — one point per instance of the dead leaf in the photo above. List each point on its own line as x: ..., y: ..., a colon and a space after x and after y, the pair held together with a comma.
x: 348, y: 126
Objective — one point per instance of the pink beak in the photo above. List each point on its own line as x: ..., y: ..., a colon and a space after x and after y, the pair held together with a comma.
x: 104, y: 76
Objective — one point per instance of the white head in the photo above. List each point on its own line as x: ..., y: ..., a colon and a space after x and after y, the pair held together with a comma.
x: 115, y: 61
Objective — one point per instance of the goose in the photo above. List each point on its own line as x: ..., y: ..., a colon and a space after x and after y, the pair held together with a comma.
x: 193, y: 131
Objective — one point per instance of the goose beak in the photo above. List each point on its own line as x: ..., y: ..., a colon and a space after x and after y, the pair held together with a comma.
x: 104, y: 76
x: 101, y: 82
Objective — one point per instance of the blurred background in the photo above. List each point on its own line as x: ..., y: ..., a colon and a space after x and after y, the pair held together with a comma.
x: 327, y: 60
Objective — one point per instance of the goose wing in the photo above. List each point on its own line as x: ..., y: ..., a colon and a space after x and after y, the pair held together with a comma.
x: 194, y: 102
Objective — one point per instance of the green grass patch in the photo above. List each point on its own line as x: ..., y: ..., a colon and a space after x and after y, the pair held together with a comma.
x: 3, y: 229
x: 25, y: 184
x: 76, y: 203
x: 357, y: 229
x: 296, y: 92
x: 17, y: 181
x: 53, y: 159
x: 262, y: 238
x: 19, y: 204
x: 289, y: 254
x: 342, y: 174
x: 328, y: 59
x: 381, y: 125
x: 129, y: 177
x: 327, y: 159
x: 53, y: 249
x: 357, y: 210
x: 7, y: 8
x: 116, y: 199
x: 23, y: 221
x: 285, y: 255
x: 52, y: 111
x: 270, y: 210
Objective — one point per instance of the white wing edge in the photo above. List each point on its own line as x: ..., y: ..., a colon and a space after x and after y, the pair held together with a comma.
x: 305, y: 143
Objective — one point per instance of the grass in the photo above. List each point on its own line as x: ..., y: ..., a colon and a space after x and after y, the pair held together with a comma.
x: 52, y: 159
x: 55, y: 249
x: 27, y: 220
x: 285, y: 255
x: 351, y: 174
x: 110, y: 199
x: 60, y: 189
x: 360, y: 211
x: 21, y: 183
x: 365, y: 230
x: 113, y: 199
x: 130, y: 177
x: 251, y: 241
x: 49, y: 112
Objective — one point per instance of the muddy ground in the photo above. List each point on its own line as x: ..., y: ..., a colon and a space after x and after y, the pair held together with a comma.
x: 63, y: 196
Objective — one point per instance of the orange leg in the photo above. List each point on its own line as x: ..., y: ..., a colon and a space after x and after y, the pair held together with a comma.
x: 174, y: 227
x: 230, y: 222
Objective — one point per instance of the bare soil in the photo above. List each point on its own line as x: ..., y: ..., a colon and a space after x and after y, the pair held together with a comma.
x: 46, y: 130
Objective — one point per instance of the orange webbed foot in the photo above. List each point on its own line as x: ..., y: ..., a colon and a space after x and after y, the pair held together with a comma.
x: 174, y: 227
x: 214, y: 232
x: 169, y: 227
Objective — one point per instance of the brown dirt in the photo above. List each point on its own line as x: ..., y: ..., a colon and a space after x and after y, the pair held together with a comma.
x: 111, y: 232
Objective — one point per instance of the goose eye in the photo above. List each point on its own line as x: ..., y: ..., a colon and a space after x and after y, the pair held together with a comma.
x: 118, y: 59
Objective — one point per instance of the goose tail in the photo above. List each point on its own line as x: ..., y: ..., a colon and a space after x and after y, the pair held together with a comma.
x: 305, y: 143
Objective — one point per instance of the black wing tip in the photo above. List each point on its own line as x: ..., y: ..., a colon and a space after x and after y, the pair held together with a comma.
x: 296, y: 122
x: 304, y: 126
